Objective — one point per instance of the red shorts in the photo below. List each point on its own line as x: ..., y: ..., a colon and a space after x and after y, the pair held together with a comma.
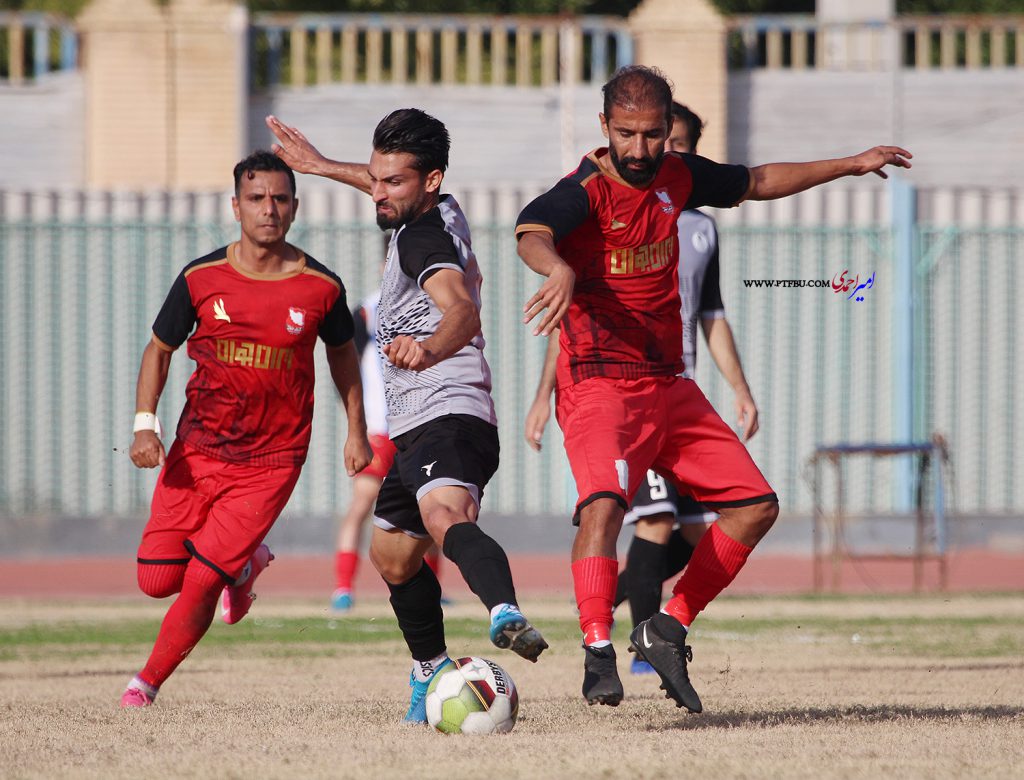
x: 216, y: 511
x: 383, y: 456
x: 616, y: 429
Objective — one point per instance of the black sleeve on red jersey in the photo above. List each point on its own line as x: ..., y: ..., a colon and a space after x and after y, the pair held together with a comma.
x: 338, y: 325
x: 177, y: 316
x: 361, y: 334
x: 711, y: 290
x: 561, y: 210
x: 425, y: 247
x: 716, y: 184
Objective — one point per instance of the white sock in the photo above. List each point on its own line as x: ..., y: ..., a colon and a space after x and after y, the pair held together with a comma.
x: 600, y: 643
x: 142, y: 685
x: 502, y: 606
x: 245, y: 574
x: 424, y: 670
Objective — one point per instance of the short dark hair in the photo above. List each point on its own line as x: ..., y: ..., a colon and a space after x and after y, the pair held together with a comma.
x: 638, y: 87
x: 261, y: 160
x: 417, y: 133
x: 694, y: 124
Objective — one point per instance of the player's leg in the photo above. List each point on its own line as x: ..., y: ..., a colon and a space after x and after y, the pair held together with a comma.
x: 448, y: 462
x: 346, y: 558
x: 654, y: 504
x: 609, y: 449
x: 704, y: 454
x: 415, y: 599
x: 645, y: 570
x: 179, y: 509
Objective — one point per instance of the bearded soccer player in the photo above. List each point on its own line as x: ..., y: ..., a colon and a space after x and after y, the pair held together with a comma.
x: 251, y: 312
x: 606, y: 239
x: 438, y: 388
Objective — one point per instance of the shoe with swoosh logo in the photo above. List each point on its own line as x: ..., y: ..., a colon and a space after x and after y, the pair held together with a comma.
x: 661, y: 641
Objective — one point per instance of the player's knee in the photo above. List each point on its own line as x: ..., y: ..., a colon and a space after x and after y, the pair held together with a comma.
x: 395, y: 570
x: 161, y: 580
x: 763, y: 516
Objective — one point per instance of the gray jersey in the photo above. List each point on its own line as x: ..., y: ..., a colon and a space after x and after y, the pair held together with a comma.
x: 699, y: 290
x: 461, y: 384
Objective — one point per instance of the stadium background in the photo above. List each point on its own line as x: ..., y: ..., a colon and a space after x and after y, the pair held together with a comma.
x: 96, y: 218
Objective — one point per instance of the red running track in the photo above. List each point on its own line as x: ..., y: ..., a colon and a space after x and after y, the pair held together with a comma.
x: 536, y: 575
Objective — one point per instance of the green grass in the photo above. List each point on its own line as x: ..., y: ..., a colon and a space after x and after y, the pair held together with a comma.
x: 941, y: 636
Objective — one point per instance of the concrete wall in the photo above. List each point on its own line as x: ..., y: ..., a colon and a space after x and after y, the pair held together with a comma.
x: 41, y: 133
x: 964, y: 128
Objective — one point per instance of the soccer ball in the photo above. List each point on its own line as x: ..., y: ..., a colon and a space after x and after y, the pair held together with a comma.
x: 472, y: 696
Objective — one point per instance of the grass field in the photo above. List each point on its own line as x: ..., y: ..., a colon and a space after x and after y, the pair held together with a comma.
x: 792, y: 687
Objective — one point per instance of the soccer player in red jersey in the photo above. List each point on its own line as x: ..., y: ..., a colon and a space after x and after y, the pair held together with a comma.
x: 251, y: 313
x: 605, y: 238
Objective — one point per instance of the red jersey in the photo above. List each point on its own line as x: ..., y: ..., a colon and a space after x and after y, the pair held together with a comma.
x: 621, y: 241
x: 250, y: 399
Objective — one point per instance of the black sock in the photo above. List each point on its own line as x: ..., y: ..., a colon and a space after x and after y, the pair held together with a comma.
x: 677, y: 555
x: 417, y: 605
x: 645, y: 563
x: 483, y: 563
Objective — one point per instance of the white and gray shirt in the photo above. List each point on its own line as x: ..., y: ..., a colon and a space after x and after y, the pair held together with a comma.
x: 699, y: 290
x: 460, y: 384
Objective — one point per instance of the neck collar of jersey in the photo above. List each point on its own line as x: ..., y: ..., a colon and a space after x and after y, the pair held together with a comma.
x: 233, y: 262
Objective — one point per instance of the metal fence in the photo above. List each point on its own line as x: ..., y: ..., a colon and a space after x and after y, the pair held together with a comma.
x: 78, y: 297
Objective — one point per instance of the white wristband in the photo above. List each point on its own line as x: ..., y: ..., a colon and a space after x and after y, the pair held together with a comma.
x: 146, y: 421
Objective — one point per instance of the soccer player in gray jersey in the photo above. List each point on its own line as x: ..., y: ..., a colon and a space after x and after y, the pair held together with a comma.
x: 438, y: 387
x: 657, y: 552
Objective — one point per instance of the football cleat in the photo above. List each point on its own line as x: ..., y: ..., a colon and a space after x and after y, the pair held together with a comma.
x: 341, y: 600
x: 418, y: 701
x: 661, y: 641
x: 236, y: 600
x: 511, y: 630
x: 133, y: 697
x: 601, y: 684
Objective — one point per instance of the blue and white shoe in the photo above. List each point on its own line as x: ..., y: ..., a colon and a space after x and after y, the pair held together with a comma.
x: 640, y: 666
x: 418, y: 702
x: 341, y: 600
x: 511, y: 630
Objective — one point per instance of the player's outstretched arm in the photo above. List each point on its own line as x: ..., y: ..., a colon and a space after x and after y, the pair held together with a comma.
x: 540, y: 410
x: 537, y: 249
x: 722, y: 347
x: 147, y: 451
x: 778, y: 180
x: 460, y: 322
x: 296, y: 150
x: 343, y: 361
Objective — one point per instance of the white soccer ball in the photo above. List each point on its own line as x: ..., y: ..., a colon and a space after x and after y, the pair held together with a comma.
x: 472, y: 696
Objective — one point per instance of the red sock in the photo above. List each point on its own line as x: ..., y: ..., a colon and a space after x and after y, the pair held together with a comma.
x: 161, y: 580
x: 185, y: 623
x: 595, y: 579
x: 433, y: 560
x: 715, y: 563
x: 345, y: 564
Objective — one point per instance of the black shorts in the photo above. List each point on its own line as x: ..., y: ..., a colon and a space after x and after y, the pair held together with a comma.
x: 657, y: 496
x: 457, y: 449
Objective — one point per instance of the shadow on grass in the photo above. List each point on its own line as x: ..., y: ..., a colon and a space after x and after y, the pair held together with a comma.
x: 881, y: 713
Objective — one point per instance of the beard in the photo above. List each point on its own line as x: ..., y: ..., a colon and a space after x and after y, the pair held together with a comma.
x: 636, y: 176
x: 390, y: 222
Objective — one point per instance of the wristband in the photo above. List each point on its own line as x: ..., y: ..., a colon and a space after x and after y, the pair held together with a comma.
x: 146, y: 421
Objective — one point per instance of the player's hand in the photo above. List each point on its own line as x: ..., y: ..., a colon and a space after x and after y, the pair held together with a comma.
x: 147, y: 451
x: 294, y: 148
x: 407, y: 352
x: 357, y: 453
x: 746, y: 415
x: 537, y: 420
x: 555, y: 295
x: 874, y: 160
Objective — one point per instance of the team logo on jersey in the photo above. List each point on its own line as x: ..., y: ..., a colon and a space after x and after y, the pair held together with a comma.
x: 666, y: 202
x: 219, y: 312
x: 296, y: 320
x: 700, y: 242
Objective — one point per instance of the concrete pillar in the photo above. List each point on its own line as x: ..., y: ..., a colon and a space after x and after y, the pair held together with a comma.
x: 686, y: 39
x: 165, y: 92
